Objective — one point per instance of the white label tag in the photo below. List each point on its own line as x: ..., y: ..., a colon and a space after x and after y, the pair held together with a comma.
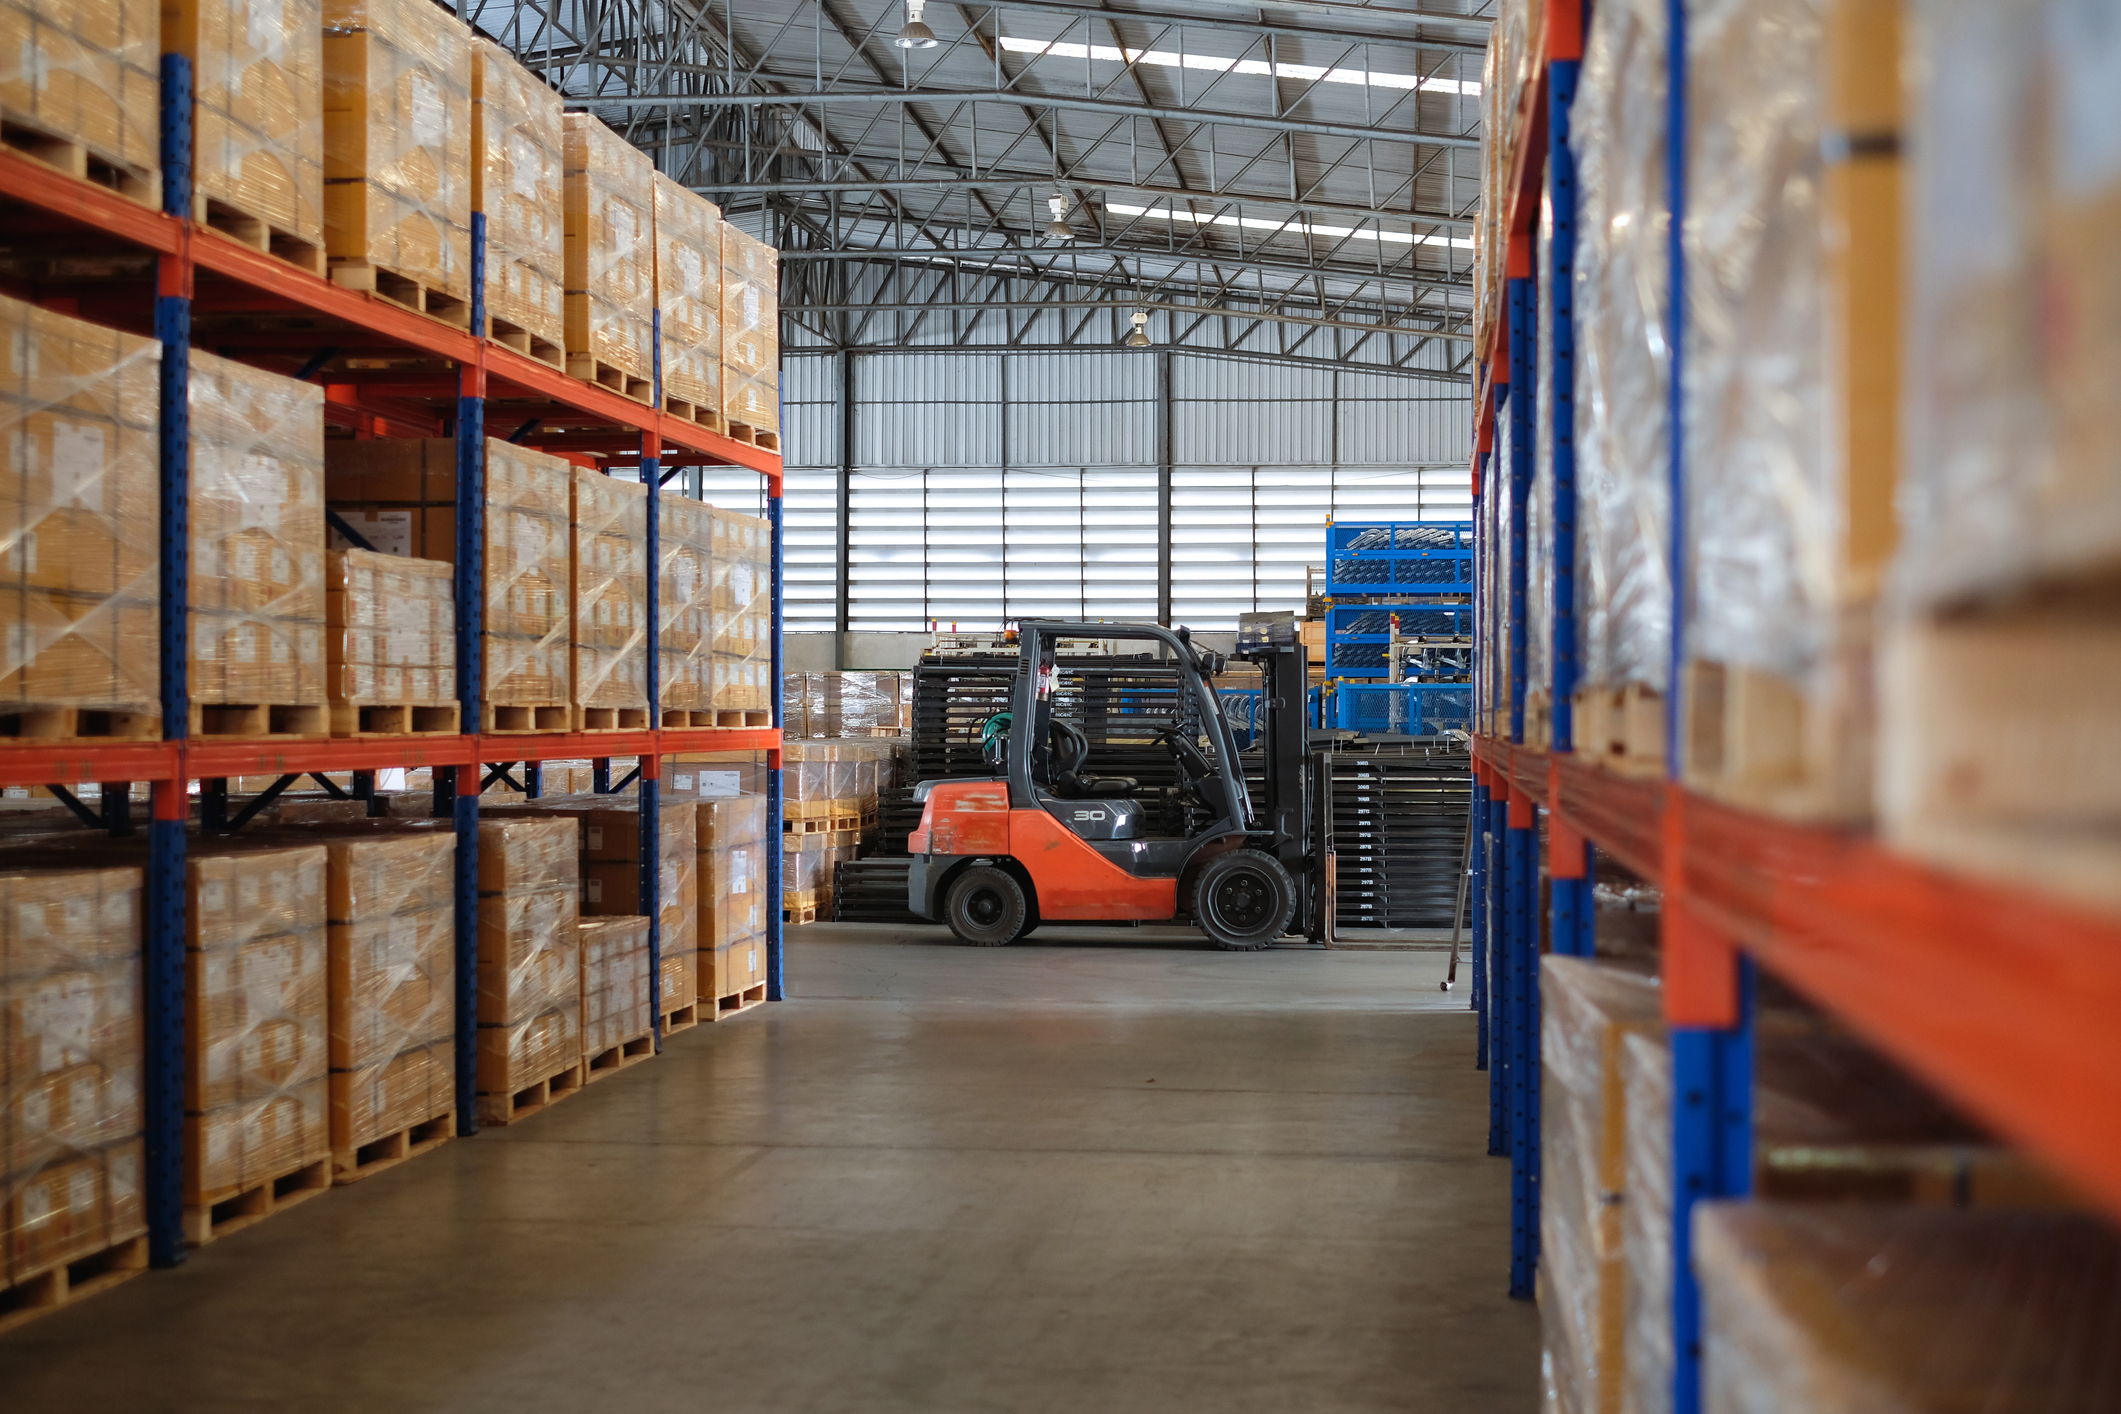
x: 596, y: 836
x: 596, y: 890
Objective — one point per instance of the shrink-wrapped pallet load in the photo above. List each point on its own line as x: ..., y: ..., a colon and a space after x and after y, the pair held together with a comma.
x: 258, y: 110
x: 516, y: 143
x: 1622, y: 389
x: 530, y: 970
x: 71, y: 1041
x: 400, y: 495
x: 2000, y: 750
x: 685, y: 608
x: 256, y: 1118
x: 1857, y: 1309
x: 1507, y: 71
x: 80, y: 528
x: 609, y: 607
x: 391, y: 650
x: 257, y: 552
x: 608, y: 196
x: 616, y: 1022
x: 1540, y: 509
x: 80, y: 86
x: 742, y: 620
x: 731, y: 836
x: 751, y: 338
x: 688, y: 301
x: 397, y: 153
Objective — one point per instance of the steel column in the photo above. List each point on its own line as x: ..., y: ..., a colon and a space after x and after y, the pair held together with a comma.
x: 776, y: 977
x: 1519, y: 406
x: 1521, y: 946
x: 843, y: 521
x: 1712, y: 1157
x: 651, y: 766
x: 1500, y: 1053
x: 1476, y: 923
x: 1163, y: 487
x: 471, y: 624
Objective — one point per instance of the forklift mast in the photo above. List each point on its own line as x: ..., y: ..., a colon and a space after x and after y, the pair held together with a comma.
x: 1283, y: 816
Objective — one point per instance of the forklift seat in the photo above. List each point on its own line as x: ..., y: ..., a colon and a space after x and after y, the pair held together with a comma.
x: 1069, y: 752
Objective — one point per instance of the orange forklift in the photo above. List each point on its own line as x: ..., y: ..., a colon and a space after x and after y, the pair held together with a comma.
x: 1044, y: 840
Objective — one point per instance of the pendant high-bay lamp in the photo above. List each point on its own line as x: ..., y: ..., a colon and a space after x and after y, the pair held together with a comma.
x: 916, y: 34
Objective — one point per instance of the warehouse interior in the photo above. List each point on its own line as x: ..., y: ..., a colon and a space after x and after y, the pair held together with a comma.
x: 1341, y: 705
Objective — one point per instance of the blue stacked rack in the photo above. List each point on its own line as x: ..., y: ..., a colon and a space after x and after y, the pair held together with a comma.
x: 1419, y: 572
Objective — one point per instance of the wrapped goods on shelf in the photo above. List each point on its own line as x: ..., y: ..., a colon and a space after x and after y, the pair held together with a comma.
x: 80, y: 549
x: 530, y: 972
x: 1540, y: 509
x: 688, y: 298
x: 401, y: 496
x: 607, y: 194
x: 257, y: 102
x: 742, y: 563
x: 398, y: 153
x: 731, y: 839
x: 71, y: 1042
x: 516, y: 142
x: 852, y: 703
x: 1495, y: 499
x: 614, y: 952
x: 1845, y: 1308
x: 1999, y: 750
x: 257, y: 957
x: 392, y: 639
x: 257, y: 538
x: 751, y: 332
x: 81, y: 86
x: 1587, y: 1009
x: 1790, y: 378
x: 1622, y: 387
x: 685, y: 609
x: 610, y: 600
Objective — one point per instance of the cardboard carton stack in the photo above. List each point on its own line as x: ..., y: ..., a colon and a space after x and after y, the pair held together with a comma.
x: 516, y: 142
x: 609, y: 605
x: 751, y: 338
x: 688, y: 301
x: 742, y: 563
x: 530, y: 970
x: 392, y: 649
x: 257, y: 101
x: 732, y: 894
x: 81, y: 85
x: 685, y: 606
x: 608, y: 195
x: 617, y: 1024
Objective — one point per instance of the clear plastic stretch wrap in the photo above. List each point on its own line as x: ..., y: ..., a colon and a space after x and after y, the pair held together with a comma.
x: 610, y: 601
x: 1539, y: 506
x: 392, y: 915
x: 614, y: 982
x: 257, y: 100
x: 731, y: 838
x: 1623, y: 357
x: 88, y: 73
x: 688, y: 294
x: 397, y: 151
x: 685, y: 605
x: 678, y: 902
x: 751, y: 331
x: 71, y: 1042
x: 1849, y: 1309
x: 1499, y: 597
x: 1832, y: 1123
x: 256, y: 961
x: 257, y: 536
x: 2012, y: 472
x: 743, y: 639
x: 608, y: 196
x: 393, y: 629
x: 515, y: 182
x: 840, y: 703
x: 1587, y: 1009
x: 530, y: 971
x: 80, y: 542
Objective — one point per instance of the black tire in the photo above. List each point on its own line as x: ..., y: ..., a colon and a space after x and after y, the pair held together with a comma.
x: 986, y: 907
x: 1243, y: 900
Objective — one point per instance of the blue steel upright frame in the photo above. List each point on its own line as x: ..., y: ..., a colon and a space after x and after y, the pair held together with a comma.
x: 471, y: 626
x: 1520, y: 831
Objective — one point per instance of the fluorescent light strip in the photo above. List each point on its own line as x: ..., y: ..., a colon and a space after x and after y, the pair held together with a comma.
x: 1306, y: 73
x: 1296, y: 226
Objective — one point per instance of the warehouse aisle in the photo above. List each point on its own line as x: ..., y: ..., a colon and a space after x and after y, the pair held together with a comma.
x: 1124, y: 1174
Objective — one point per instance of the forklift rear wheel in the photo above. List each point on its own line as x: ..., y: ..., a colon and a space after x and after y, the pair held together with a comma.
x: 986, y: 907
x: 1243, y: 900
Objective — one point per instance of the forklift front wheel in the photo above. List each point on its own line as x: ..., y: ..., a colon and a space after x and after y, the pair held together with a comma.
x: 986, y: 907
x: 1243, y: 900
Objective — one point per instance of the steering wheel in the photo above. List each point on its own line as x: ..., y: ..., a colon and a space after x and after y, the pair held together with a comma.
x: 1193, y: 766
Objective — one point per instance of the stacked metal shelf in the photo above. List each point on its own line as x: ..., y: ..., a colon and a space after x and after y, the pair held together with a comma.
x: 1395, y: 821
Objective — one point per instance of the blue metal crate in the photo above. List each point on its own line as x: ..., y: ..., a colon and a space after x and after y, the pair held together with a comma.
x: 1399, y: 557
x: 1357, y: 634
x: 1408, y: 708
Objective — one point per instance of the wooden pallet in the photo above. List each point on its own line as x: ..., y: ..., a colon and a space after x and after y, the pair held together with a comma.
x: 247, y: 721
x: 684, y: 1018
x: 514, y: 1106
x: 744, y: 717
x: 755, y: 436
x: 403, y: 290
x: 687, y: 717
x: 230, y: 1210
x: 71, y: 156
x: 610, y: 719
x: 374, y: 719
x: 737, y: 1002
x: 797, y: 917
x: 1763, y: 742
x: 613, y: 1059
x: 79, y: 724
x: 515, y: 336
x: 1621, y: 729
x: 1539, y: 721
x: 685, y: 410
x: 590, y: 369
x: 72, y: 1281
x: 259, y: 234
x: 372, y: 1158
x: 516, y: 718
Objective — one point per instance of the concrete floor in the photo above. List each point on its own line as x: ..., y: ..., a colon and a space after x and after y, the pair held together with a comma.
x: 1112, y: 1171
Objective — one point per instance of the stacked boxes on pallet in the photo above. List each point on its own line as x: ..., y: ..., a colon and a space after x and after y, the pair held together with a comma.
x: 688, y: 301
x: 609, y: 605
x: 741, y: 560
x: 616, y: 1022
x: 751, y: 337
x: 391, y: 653
x: 732, y: 894
x: 71, y: 1042
x: 397, y: 153
x: 516, y: 143
x: 258, y: 140
x: 257, y: 551
x: 846, y: 703
x: 257, y: 1127
x: 80, y: 497
x: 608, y: 195
x: 685, y: 606
x: 530, y: 973
x: 80, y: 83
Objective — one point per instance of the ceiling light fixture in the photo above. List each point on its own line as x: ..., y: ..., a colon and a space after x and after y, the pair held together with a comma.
x: 1058, y: 228
x: 1138, y: 337
x: 915, y: 35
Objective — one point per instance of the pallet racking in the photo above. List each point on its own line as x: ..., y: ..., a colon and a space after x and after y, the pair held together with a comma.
x: 158, y: 269
x: 2000, y: 998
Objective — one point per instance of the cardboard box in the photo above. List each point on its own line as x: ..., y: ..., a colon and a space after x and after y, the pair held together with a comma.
x: 607, y: 194
x: 751, y: 342
x: 530, y: 983
x: 688, y: 295
x: 685, y: 605
x: 89, y: 74
x: 258, y: 107
x: 517, y: 139
x: 392, y: 630
x: 609, y: 606
x: 615, y: 971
